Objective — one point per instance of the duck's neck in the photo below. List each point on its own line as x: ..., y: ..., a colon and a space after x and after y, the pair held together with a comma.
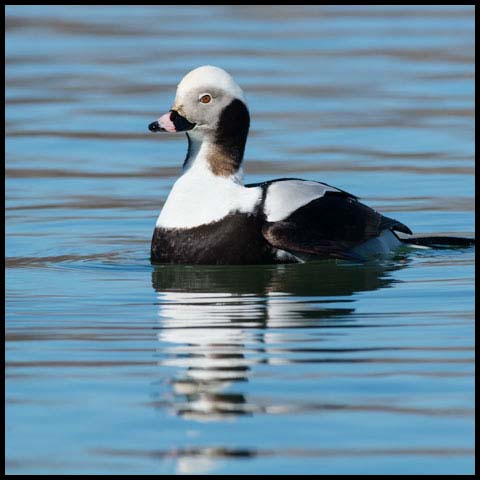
x: 209, y: 158
x: 220, y: 151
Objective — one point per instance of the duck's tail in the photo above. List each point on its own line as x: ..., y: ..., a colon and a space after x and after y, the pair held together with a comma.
x: 440, y: 242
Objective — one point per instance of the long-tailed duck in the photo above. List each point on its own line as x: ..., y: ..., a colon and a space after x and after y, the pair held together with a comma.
x: 211, y: 217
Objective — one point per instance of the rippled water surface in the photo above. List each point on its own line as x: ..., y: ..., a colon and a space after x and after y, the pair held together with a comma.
x: 116, y: 366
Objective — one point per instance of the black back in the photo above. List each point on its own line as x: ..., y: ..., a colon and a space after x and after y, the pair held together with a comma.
x: 329, y: 226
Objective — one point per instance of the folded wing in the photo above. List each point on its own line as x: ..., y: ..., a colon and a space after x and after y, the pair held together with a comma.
x: 329, y: 226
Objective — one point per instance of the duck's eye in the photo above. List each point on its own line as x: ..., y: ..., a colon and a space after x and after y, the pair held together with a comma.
x: 206, y: 98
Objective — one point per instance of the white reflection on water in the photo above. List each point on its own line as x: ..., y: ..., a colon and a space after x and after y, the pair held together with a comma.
x: 217, y: 337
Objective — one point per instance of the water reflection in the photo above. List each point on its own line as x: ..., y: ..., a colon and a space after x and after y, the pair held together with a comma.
x: 221, y: 321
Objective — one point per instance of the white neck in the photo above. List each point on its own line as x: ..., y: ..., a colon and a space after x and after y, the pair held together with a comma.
x: 199, y: 155
x: 195, y: 144
x: 203, y: 148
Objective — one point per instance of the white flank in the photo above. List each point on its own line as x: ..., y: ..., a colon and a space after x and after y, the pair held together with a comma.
x: 283, y: 255
x: 284, y: 197
x: 382, y: 245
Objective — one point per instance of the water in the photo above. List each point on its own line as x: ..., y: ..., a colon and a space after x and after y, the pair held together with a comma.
x: 114, y: 366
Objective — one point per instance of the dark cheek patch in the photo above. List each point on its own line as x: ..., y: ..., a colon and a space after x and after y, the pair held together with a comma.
x: 230, y: 139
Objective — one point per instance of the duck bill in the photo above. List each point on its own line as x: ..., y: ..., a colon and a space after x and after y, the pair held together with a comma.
x: 171, y: 122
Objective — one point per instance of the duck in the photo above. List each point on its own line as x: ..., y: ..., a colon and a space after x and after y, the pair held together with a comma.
x: 211, y: 217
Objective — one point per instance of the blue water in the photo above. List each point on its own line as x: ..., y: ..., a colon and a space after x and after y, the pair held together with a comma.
x: 115, y: 366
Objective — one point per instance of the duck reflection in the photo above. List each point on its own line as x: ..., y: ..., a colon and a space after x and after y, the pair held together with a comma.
x: 220, y: 321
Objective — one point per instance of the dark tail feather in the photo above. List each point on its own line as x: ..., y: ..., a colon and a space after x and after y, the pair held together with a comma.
x: 440, y: 242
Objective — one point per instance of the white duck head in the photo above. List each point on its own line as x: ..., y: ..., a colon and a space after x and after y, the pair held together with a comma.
x: 210, y: 108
